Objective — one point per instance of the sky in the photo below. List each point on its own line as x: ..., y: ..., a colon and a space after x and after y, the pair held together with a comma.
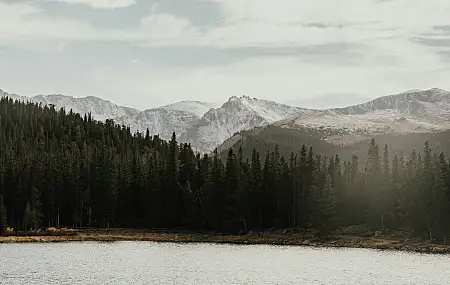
x: 145, y: 53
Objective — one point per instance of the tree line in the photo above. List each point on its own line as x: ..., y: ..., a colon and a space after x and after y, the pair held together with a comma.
x: 59, y: 168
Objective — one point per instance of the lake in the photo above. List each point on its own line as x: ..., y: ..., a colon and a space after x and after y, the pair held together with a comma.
x: 197, y: 264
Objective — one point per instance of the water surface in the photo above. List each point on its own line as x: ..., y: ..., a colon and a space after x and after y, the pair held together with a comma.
x: 197, y: 264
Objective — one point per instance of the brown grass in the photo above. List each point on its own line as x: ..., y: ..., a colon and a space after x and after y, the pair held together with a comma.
x: 290, y: 238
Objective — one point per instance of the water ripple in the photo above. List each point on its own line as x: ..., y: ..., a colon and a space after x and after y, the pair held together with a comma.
x: 200, y: 264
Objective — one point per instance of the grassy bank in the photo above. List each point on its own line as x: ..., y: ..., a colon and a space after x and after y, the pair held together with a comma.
x: 287, y: 237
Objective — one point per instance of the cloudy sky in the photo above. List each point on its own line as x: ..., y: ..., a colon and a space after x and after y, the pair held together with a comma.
x: 143, y: 53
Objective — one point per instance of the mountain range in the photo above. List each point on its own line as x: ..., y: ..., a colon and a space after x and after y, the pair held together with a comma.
x: 208, y: 125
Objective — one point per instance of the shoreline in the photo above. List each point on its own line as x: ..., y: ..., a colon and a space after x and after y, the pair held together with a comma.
x: 336, y: 241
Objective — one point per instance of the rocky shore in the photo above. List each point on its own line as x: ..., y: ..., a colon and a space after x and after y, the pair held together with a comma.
x: 270, y: 238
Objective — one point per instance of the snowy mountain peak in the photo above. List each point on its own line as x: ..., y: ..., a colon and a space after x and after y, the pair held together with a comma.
x: 198, y: 108
x: 408, y: 112
x: 100, y: 109
x: 411, y: 101
x: 235, y: 115
x: 432, y: 90
x: 241, y: 98
x: 411, y: 91
x: 233, y: 98
x: 246, y: 97
x: 207, y: 125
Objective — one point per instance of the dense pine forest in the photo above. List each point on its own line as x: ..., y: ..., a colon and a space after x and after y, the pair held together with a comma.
x: 58, y: 169
x: 291, y: 140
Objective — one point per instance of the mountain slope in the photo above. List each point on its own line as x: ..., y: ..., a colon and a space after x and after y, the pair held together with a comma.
x: 207, y: 125
x: 165, y: 120
x: 409, y: 112
x: 404, y: 121
x: 198, y: 108
x: 160, y: 121
x: 235, y: 115
x: 418, y: 103
x: 100, y: 109
x: 291, y: 141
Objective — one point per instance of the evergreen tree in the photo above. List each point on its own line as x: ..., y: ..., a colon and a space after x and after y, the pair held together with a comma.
x: 427, y: 195
x: 33, y: 212
x: 326, y: 207
x: 256, y: 189
x: 396, y: 189
x: 3, y: 219
x: 232, y: 175
x: 376, y: 195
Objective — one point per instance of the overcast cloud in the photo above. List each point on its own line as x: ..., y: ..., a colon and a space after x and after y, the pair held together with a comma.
x: 143, y: 53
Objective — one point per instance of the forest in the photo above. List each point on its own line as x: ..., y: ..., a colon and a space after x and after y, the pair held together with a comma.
x: 61, y: 169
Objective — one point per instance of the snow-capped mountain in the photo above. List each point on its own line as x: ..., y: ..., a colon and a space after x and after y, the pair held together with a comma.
x: 197, y: 108
x: 100, y: 109
x: 418, y: 103
x: 204, y: 125
x: 414, y: 111
x: 207, y: 125
x: 165, y: 120
x: 237, y: 114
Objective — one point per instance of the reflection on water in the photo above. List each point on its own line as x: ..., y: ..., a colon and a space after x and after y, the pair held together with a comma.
x: 198, y: 264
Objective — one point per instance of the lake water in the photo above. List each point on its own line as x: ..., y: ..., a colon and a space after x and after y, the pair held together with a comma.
x: 197, y: 264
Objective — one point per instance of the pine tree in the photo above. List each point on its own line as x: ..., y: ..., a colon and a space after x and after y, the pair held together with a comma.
x: 172, y: 165
x: 375, y: 194
x: 231, y: 188
x: 33, y: 212
x: 294, y: 178
x: 29, y: 218
x: 3, y: 218
x: 396, y: 189
x: 327, y: 207
x: 386, y: 191
x: 440, y: 211
x: 427, y: 195
x: 217, y: 193
x: 256, y: 189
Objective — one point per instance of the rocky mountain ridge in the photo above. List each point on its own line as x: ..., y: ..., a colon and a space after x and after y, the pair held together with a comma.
x: 207, y: 125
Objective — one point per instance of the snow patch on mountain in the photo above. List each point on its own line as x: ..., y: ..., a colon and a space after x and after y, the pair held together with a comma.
x: 197, y: 108
x: 412, y: 102
x: 235, y: 115
x: 409, y: 112
x: 269, y: 110
x: 160, y: 121
x: 207, y: 125
x: 100, y: 109
x: 378, y: 121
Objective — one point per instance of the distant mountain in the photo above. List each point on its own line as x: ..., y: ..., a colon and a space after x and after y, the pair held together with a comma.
x: 433, y: 103
x: 409, y: 112
x: 165, y: 120
x: 208, y: 125
x: 403, y: 121
x: 204, y: 125
x: 235, y: 115
x: 99, y: 108
x: 197, y: 108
